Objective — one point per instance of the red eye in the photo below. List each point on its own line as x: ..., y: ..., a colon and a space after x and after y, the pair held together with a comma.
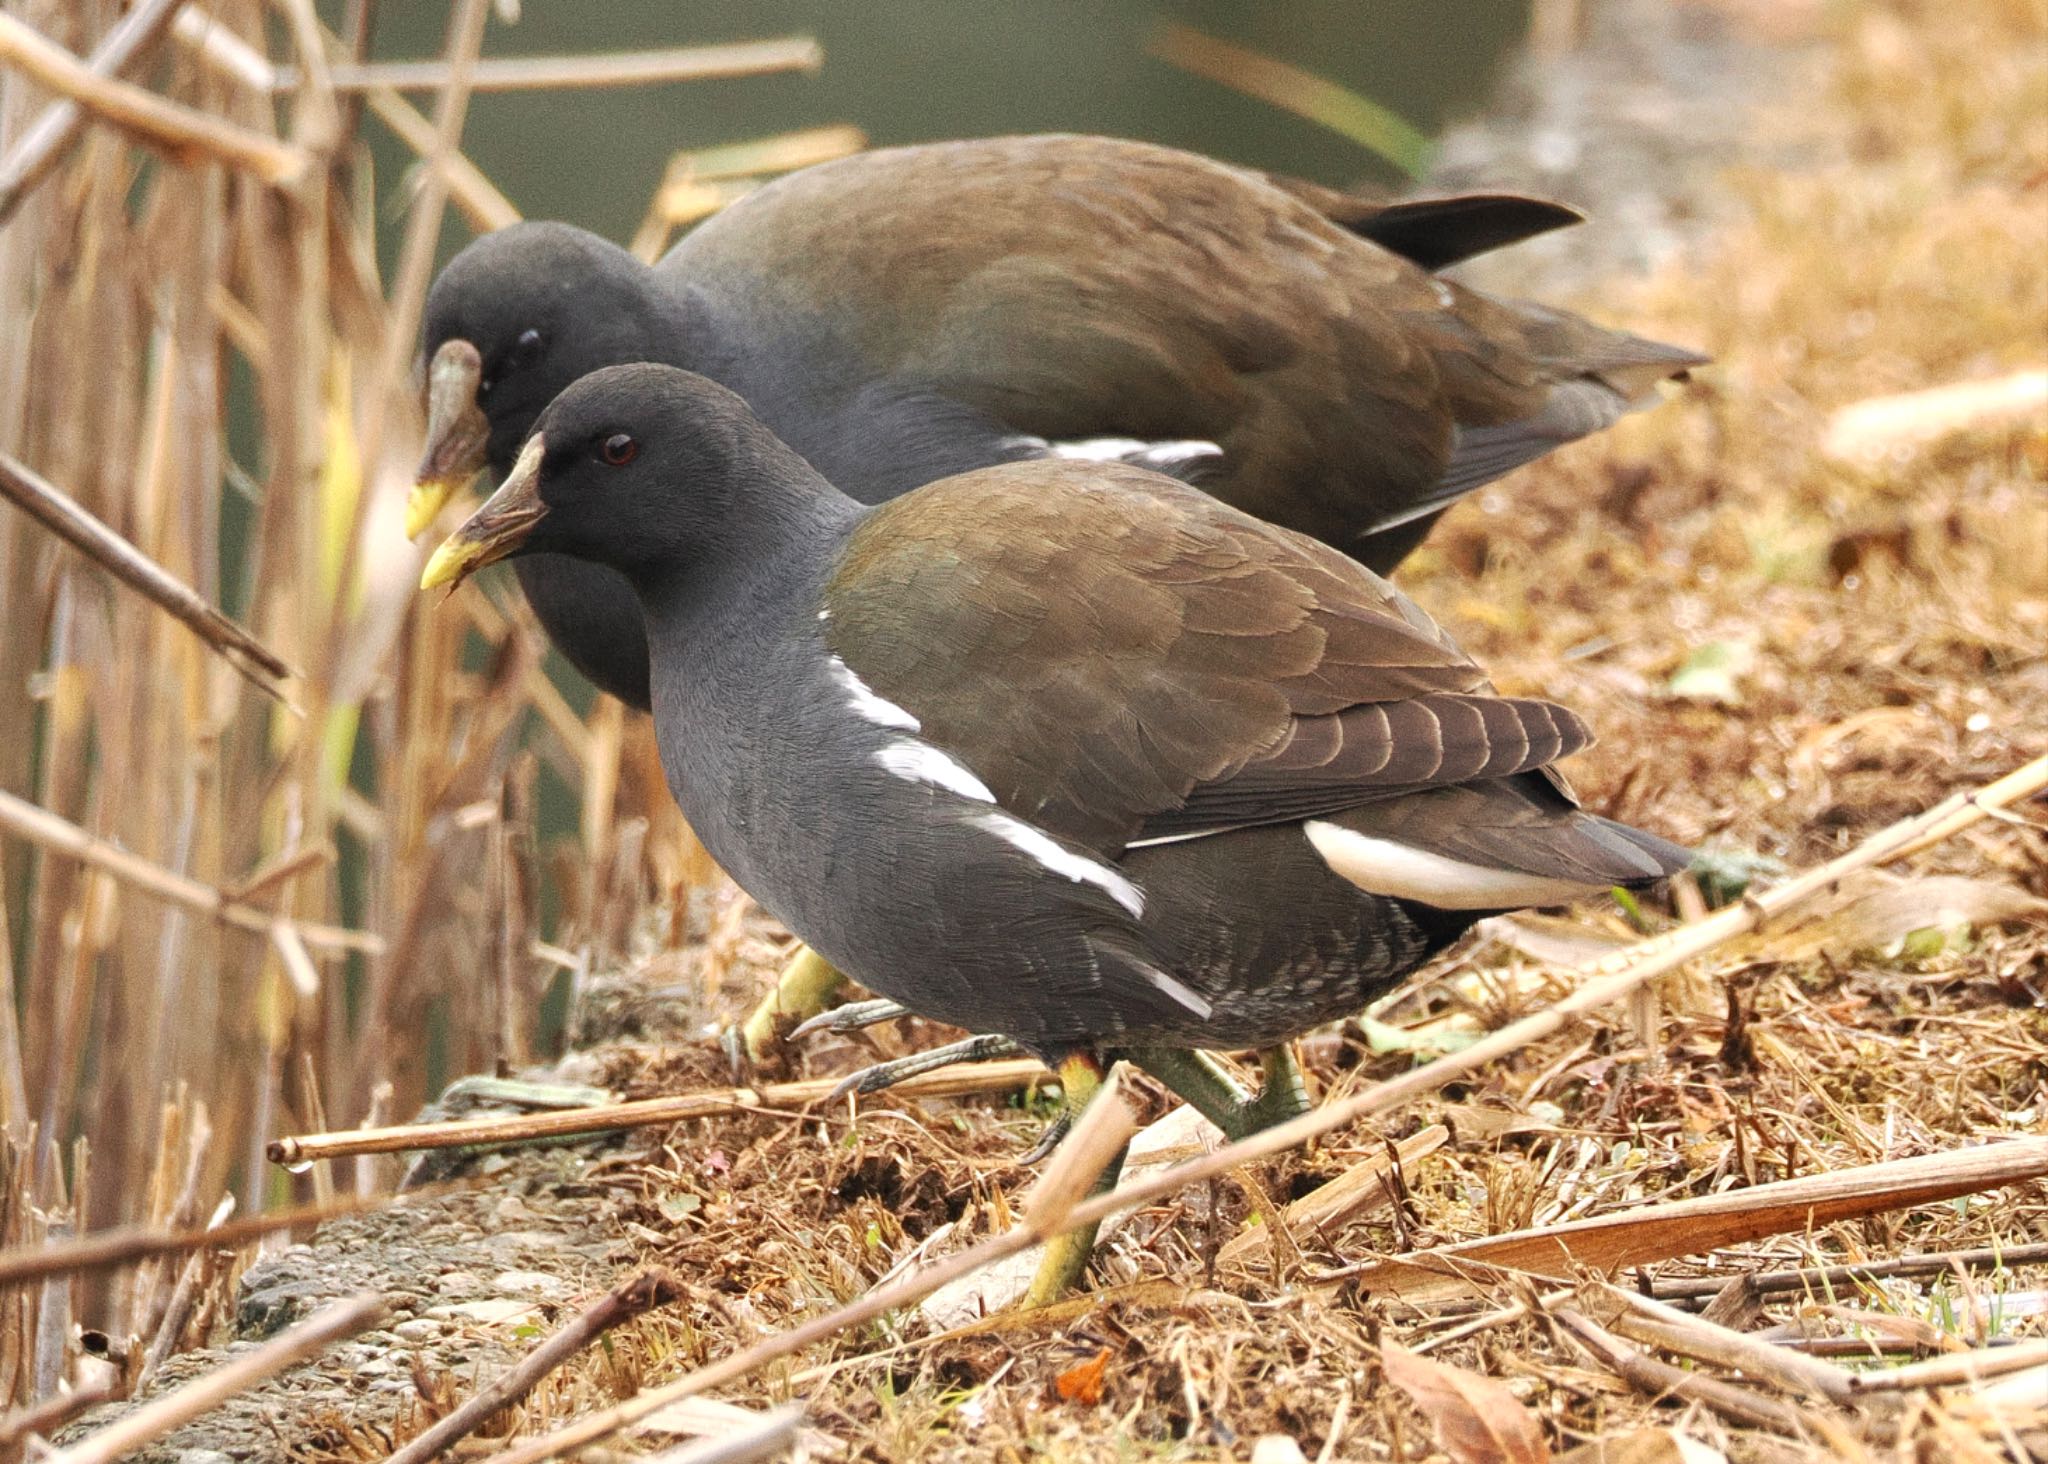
x: 620, y: 449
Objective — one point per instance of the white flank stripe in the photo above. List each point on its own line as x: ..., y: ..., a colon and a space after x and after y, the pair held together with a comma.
x: 1077, y: 867
x: 1383, y: 867
x: 1134, y: 450
x: 1179, y: 990
x: 920, y: 762
x: 860, y: 697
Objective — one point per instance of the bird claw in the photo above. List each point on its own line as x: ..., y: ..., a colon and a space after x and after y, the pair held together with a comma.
x: 851, y: 1017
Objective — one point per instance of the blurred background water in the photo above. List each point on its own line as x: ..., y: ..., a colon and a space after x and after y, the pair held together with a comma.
x: 919, y: 70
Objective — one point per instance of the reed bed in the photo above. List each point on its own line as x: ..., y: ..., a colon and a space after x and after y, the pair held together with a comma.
x: 236, y: 905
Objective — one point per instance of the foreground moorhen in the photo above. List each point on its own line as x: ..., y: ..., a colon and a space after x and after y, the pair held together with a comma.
x: 1067, y: 752
x: 905, y: 314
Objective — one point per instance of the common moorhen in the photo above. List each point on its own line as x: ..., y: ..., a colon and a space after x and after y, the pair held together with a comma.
x: 1064, y: 751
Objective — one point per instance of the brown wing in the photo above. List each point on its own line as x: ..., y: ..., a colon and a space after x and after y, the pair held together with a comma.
x: 1121, y: 658
x: 1077, y: 287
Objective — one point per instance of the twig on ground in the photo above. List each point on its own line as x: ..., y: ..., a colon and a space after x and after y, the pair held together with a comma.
x: 49, y: 138
x: 634, y: 1297
x: 56, y: 511
x: 1822, y: 1278
x: 950, y: 1082
x: 1660, y: 1379
x: 184, y: 134
x: 43, y: 828
x: 764, y: 1440
x: 160, y: 1415
x: 1652, y: 958
x: 1671, y: 1330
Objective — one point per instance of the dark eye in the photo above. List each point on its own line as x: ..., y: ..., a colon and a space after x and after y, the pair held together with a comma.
x: 619, y: 449
x: 523, y: 350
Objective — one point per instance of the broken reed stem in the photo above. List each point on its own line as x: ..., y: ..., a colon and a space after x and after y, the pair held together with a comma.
x: 1660, y: 1379
x: 160, y: 1415
x: 771, y: 1438
x: 1955, y: 1369
x: 1652, y: 958
x: 601, y: 69
x: 46, y: 830
x: 51, y: 1414
x: 58, y: 512
x: 109, y: 1249
x: 950, y: 1082
x: 1661, y: 1326
x: 645, y: 1292
x: 184, y: 134
x: 51, y: 136
x: 1769, y: 1283
x: 1654, y: 1232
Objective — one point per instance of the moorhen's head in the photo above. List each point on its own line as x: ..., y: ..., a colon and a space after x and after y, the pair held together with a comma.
x: 635, y: 467
x: 515, y: 317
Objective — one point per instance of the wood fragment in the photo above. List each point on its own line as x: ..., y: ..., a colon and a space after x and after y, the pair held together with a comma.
x: 1880, y: 425
x: 636, y: 1296
x: 949, y: 1082
x: 1358, y: 1191
x: 58, y: 512
x: 154, y: 1419
x: 184, y: 134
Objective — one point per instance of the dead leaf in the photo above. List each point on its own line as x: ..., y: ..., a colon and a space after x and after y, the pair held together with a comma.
x: 1645, y: 1446
x: 1083, y: 1383
x: 1477, y: 1420
x: 1878, y: 913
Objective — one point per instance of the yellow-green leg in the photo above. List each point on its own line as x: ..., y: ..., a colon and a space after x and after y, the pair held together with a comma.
x: 1212, y: 1092
x: 1066, y: 1256
x: 805, y: 986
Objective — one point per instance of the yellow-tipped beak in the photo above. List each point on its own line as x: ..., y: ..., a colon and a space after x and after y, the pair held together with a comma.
x: 495, y: 530
x: 458, y: 435
x: 423, y: 504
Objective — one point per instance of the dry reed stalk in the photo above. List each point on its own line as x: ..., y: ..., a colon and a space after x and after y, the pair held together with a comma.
x: 111, y: 1249
x: 52, y: 1413
x: 57, y: 512
x: 154, y: 1419
x: 634, y: 1297
x: 186, y: 136
x: 604, y: 69
x: 43, y: 145
x: 46, y: 830
x: 1651, y: 958
x: 950, y: 1082
x: 1955, y: 1369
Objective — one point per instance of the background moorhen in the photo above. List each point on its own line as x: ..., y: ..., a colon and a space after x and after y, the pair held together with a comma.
x: 1069, y: 752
